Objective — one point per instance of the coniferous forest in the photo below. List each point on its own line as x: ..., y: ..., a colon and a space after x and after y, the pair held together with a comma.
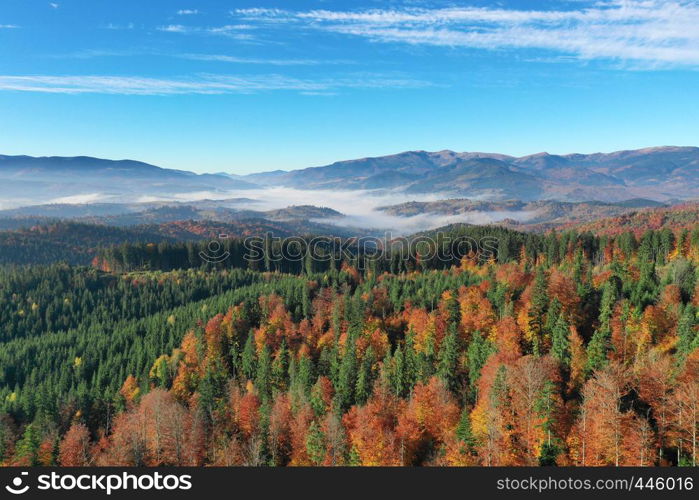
x: 559, y: 349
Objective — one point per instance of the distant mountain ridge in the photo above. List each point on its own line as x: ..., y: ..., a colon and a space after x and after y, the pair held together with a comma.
x: 29, y: 180
x: 659, y: 173
x: 537, y: 216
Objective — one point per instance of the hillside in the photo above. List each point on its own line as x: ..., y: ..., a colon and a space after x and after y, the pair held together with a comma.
x: 660, y: 174
x: 534, y: 216
x: 71, y: 242
x: 31, y: 240
x: 26, y: 179
x: 675, y: 218
x: 497, y: 360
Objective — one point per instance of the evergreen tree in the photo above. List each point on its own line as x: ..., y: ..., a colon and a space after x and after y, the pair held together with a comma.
x: 263, y: 378
x: 305, y: 373
x: 688, y: 336
x: 597, y: 351
x: 249, y: 358
x: 478, y: 352
x: 544, y: 407
x: 347, y: 375
x: 464, y: 433
x: 315, y: 444
x: 28, y: 447
x: 365, y: 379
x: 538, y: 308
x: 560, y: 343
x: 447, y: 368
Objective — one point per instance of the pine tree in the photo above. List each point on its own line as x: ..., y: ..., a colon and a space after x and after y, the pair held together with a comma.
x: 464, y: 433
x: 28, y: 447
x: 315, y: 444
x: 600, y: 342
x: 249, y: 359
x: 448, y: 358
x: 552, y: 316
x: 560, y: 344
x: 305, y: 373
x: 538, y: 308
x: 597, y: 351
x: 544, y: 407
x: 346, y: 378
x: 365, y: 378
x: 478, y: 352
x: 263, y: 378
x: 398, y: 378
x: 688, y: 336
x: 453, y: 308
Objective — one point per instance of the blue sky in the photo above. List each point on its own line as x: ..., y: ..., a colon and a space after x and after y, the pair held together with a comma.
x: 242, y: 86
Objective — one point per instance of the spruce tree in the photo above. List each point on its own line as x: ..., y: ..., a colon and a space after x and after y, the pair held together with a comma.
x: 315, y: 444
x: 263, y: 378
x: 448, y: 358
x: 478, y: 352
x: 688, y: 336
x: 28, y: 447
x: 464, y: 433
x: 249, y: 358
x: 560, y: 342
x: 346, y: 377
x: 365, y: 378
x: 538, y: 308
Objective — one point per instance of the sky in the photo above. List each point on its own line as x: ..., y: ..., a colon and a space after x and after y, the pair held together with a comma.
x: 249, y: 85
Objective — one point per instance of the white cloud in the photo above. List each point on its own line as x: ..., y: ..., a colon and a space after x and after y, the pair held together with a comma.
x: 361, y: 207
x: 8, y: 26
x: 236, y: 31
x: 173, y: 28
x: 54, y: 5
x: 112, y: 26
x: 187, y: 12
x: 252, y: 60
x: 656, y: 32
x: 202, y: 84
x: 79, y: 198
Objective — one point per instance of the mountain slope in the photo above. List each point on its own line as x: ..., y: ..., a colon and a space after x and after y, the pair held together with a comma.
x: 661, y: 174
x: 30, y: 179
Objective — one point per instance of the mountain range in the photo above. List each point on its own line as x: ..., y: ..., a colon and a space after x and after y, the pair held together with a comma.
x: 27, y: 180
x: 660, y: 173
x: 536, y: 216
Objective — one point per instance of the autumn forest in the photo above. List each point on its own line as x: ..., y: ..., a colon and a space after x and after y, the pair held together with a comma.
x: 558, y: 349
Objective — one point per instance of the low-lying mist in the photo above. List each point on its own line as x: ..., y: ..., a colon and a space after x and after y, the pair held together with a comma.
x: 360, y: 208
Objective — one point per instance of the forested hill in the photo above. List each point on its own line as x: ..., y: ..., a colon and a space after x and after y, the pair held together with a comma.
x: 677, y: 218
x: 568, y: 349
x: 70, y: 242
x: 46, y: 241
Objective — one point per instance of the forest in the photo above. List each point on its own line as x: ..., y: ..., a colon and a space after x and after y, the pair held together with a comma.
x: 571, y: 348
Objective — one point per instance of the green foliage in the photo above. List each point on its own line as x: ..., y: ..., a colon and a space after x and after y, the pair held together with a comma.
x: 560, y: 340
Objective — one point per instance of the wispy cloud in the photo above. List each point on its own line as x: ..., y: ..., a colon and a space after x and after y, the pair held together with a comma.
x: 236, y: 31
x: 657, y: 32
x: 173, y: 28
x: 112, y: 26
x: 54, y: 5
x: 252, y: 60
x: 8, y: 26
x: 223, y: 58
x: 201, y: 84
x: 187, y: 12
